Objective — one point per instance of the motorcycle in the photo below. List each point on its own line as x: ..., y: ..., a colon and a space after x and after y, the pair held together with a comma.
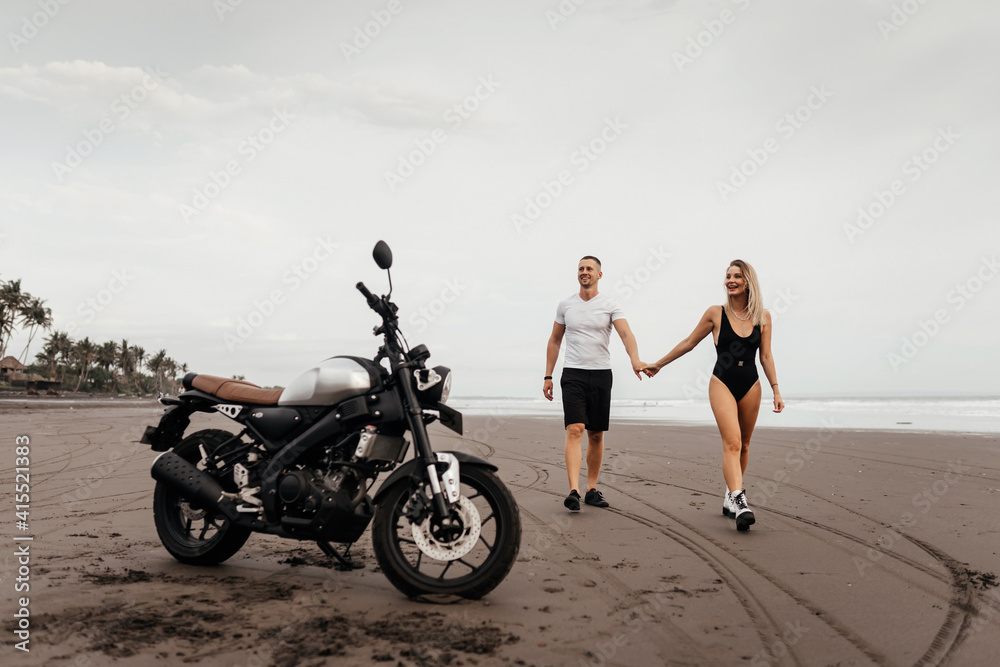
x: 305, y: 458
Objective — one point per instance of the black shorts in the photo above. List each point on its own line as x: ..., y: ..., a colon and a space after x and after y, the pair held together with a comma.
x: 586, y: 397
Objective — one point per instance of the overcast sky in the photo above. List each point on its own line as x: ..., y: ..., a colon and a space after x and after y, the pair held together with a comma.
x: 209, y: 177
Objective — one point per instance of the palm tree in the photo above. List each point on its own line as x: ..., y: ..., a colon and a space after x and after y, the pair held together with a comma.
x: 84, y: 351
x: 107, y: 355
x: 6, y: 325
x: 35, y: 315
x: 170, y: 373
x: 13, y: 301
x: 140, y: 356
x: 62, y: 344
x: 126, y: 361
x: 157, y: 366
x: 48, y: 356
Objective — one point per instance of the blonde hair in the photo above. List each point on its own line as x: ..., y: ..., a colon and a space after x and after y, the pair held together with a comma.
x: 755, y: 302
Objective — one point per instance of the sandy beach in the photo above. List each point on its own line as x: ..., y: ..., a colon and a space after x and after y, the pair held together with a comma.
x: 870, y: 548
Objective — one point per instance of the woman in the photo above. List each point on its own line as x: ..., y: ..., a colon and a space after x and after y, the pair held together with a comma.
x: 739, y: 328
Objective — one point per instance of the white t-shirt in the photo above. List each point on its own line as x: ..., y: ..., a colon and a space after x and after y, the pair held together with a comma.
x: 588, y: 330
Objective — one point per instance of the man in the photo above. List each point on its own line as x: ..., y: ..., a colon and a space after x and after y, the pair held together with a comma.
x: 586, y: 320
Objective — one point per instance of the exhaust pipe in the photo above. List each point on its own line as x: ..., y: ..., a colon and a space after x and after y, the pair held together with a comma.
x: 192, y: 483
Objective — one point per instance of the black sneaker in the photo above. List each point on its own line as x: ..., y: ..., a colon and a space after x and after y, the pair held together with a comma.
x: 595, y: 498
x: 572, y: 501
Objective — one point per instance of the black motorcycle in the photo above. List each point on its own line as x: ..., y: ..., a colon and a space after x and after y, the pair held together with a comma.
x: 306, y: 457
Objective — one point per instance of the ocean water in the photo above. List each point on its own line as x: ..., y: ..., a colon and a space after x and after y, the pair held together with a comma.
x: 952, y: 414
x: 964, y: 414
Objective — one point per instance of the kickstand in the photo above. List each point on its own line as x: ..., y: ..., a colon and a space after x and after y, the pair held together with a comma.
x: 345, y: 562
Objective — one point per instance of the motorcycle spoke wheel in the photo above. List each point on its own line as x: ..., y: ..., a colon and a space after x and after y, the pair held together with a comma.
x: 193, y: 534
x: 476, y: 566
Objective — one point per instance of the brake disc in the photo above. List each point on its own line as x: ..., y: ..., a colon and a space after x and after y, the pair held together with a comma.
x: 455, y: 549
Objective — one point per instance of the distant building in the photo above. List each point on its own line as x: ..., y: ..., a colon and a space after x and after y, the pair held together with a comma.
x: 14, y: 373
x: 10, y: 365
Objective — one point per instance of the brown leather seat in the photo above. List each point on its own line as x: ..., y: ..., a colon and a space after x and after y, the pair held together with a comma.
x: 237, y: 391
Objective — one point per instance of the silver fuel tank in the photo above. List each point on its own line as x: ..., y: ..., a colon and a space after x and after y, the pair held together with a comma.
x: 329, y: 383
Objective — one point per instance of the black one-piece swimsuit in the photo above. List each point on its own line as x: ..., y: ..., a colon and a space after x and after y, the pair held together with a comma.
x: 736, y: 365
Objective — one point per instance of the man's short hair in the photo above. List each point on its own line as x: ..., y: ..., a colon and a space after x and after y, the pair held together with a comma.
x: 593, y: 258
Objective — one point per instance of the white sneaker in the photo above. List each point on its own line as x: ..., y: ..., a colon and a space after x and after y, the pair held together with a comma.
x: 744, y: 515
x: 727, y: 505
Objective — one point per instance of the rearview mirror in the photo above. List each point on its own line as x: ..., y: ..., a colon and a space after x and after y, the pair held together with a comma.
x: 382, y: 255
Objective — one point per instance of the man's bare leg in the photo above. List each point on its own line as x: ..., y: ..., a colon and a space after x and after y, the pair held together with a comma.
x: 574, y: 438
x: 595, y: 454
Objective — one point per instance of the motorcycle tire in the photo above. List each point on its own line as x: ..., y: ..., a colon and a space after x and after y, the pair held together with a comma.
x: 477, y: 572
x: 190, y: 533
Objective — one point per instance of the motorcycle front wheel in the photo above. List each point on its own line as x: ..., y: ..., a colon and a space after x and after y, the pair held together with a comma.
x: 419, y: 559
x: 189, y: 532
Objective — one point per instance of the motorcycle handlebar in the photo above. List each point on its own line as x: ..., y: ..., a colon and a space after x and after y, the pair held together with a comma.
x: 368, y: 295
x: 380, y: 305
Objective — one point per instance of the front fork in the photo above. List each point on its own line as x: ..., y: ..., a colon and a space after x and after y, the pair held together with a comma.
x: 441, y: 492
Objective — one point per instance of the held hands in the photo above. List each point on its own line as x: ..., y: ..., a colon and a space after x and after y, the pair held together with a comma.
x: 639, y: 367
x: 650, y: 370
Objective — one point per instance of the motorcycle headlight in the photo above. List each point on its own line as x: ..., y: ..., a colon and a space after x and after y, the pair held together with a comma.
x: 433, y: 384
x: 446, y: 386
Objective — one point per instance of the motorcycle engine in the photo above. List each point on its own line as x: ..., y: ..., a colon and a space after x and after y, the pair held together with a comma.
x: 334, y: 504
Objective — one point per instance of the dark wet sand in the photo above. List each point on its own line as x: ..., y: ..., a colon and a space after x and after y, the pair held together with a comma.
x: 870, y: 548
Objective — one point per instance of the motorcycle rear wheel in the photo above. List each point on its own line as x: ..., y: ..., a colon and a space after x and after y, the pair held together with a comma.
x: 479, y: 569
x: 192, y: 534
